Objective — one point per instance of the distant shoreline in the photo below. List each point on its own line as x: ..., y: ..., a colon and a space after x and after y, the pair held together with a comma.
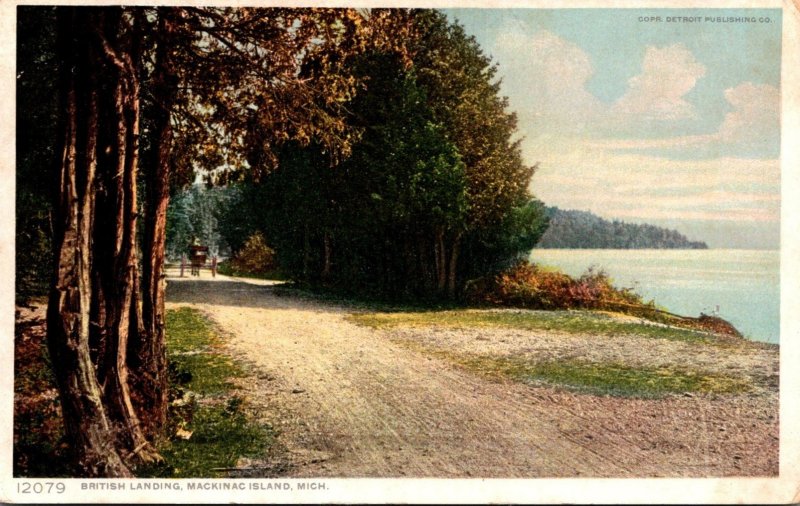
x: 569, y: 228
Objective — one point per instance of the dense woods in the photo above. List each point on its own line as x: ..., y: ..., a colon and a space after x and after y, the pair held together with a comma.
x: 434, y: 193
x: 37, y: 113
x: 194, y: 213
x: 581, y: 229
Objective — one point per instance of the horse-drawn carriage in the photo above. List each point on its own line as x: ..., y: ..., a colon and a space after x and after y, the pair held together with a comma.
x: 198, y: 256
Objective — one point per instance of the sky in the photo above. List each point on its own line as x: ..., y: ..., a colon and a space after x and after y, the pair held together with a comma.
x: 663, y: 116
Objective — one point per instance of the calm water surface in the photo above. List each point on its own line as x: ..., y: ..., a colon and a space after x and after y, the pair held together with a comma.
x: 741, y: 286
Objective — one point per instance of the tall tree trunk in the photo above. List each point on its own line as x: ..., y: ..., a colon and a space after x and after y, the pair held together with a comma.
x: 441, y: 261
x: 423, y: 261
x: 149, y: 362
x: 306, y: 252
x: 86, y: 419
x: 453, y: 267
x: 118, y: 265
x: 96, y: 265
x: 326, y: 265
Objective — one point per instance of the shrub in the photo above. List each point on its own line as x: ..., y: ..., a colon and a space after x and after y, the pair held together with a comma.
x: 527, y: 285
x: 255, y: 256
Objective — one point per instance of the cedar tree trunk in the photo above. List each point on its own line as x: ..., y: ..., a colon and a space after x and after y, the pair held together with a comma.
x: 96, y: 268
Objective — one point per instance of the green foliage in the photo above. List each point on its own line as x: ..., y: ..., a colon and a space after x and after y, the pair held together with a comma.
x: 434, y: 192
x: 196, y: 213
x: 367, y: 223
x: 293, y: 206
x: 255, y: 256
x: 241, y: 216
x: 464, y: 95
x: 573, y: 322
x: 504, y: 222
x: 493, y: 249
x: 33, y: 246
x: 580, y: 229
x: 37, y: 107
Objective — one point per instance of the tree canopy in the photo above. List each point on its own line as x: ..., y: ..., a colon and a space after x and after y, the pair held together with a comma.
x: 435, y: 191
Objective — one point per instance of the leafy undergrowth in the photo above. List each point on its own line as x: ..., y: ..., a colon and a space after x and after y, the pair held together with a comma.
x: 528, y: 285
x: 40, y: 449
x: 208, y: 423
x: 576, y: 322
x: 531, y: 286
x: 254, y: 260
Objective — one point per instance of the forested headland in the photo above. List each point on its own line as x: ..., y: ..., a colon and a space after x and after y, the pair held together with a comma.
x: 570, y: 229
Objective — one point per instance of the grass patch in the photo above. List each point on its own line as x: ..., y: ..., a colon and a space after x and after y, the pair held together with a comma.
x: 605, y: 378
x: 574, y: 322
x: 192, y: 348
x: 596, y: 378
x: 220, y: 435
x: 220, y: 430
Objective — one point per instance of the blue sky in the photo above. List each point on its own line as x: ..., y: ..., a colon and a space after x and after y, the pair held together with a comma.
x: 673, y: 123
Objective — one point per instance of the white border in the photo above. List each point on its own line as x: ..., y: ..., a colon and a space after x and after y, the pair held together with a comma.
x: 784, y: 489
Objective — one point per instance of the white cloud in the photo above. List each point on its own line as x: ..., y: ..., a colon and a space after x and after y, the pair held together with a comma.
x: 556, y: 98
x: 752, y: 127
x: 756, y: 113
x: 668, y: 74
x: 553, y: 100
x: 729, y: 180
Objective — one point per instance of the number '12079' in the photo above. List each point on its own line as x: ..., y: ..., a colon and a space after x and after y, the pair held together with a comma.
x: 40, y: 487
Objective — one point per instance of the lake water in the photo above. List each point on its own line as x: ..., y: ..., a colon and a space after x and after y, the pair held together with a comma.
x: 741, y: 286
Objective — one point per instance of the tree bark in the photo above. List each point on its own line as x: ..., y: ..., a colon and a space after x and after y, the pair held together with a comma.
x: 119, y: 265
x: 441, y: 261
x: 96, y: 247
x: 149, y: 362
x: 453, y: 267
x: 86, y: 420
x: 326, y: 264
x: 423, y: 261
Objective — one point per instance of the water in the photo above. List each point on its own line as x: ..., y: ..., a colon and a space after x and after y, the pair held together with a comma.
x: 741, y: 286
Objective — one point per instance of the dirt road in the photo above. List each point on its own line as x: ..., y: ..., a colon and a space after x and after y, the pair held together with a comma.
x: 351, y: 402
